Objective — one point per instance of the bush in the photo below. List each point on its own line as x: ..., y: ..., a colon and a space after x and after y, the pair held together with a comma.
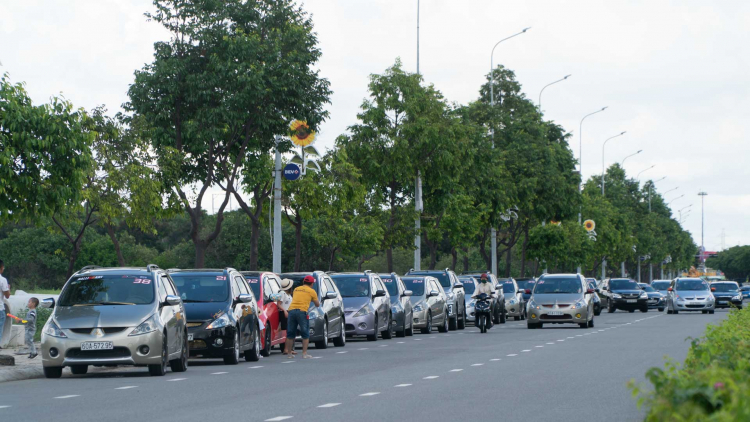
x: 42, y: 315
x: 713, y: 384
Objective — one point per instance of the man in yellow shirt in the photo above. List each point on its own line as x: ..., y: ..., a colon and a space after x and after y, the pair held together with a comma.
x: 298, y: 319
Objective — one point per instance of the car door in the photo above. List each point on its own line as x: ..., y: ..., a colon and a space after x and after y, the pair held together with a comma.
x: 336, y: 313
x: 168, y: 316
x: 603, y: 292
x: 243, y: 312
x: 459, y: 292
x: 432, y: 301
x: 327, y: 305
x: 383, y: 302
x: 670, y: 294
x: 273, y: 313
x: 179, y: 310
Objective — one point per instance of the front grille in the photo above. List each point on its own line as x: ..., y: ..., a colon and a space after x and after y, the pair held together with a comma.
x: 107, y: 330
x: 194, y: 324
x: 555, y: 317
x: 117, y: 352
x: 694, y: 306
x: 197, y: 344
x: 350, y: 327
x: 559, y: 305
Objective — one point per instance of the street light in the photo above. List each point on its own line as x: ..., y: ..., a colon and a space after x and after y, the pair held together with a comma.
x: 605, y: 144
x: 580, y: 160
x: 545, y: 87
x: 650, y: 186
x: 638, y: 176
x: 675, y: 188
x: 674, y: 199
x: 631, y: 155
x: 703, y: 245
x: 493, y: 234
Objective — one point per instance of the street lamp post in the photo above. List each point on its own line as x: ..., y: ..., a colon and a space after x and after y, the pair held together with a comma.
x: 703, y: 246
x: 650, y: 186
x: 493, y: 231
x: 604, y: 145
x: 670, y: 202
x: 631, y: 155
x: 638, y: 176
x: 545, y: 87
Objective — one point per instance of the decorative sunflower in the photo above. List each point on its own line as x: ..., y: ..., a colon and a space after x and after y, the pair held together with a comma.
x: 589, y: 225
x: 301, y: 134
x: 555, y: 223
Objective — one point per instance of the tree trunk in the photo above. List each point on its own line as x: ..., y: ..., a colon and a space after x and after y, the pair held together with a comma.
x: 508, y: 256
x: 466, y: 260
x: 200, y: 253
x: 536, y: 267
x: 73, y: 258
x: 523, y: 250
x: 254, y: 240
x: 454, y: 260
x: 297, y: 243
x: 389, y: 259
x: 116, y: 243
x: 331, y: 260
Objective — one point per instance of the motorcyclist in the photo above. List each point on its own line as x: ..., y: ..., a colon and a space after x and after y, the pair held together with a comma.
x: 487, y: 288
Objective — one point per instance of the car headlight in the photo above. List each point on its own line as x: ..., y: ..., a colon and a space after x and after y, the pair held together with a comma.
x: 738, y: 297
x: 578, y: 305
x: 219, y: 322
x: 533, y: 305
x: 51, y: 329
x: 513, y: 301
x: 451, y: 295
x: 644, y: 295
x: 364, y: 311
x: 147, y: 326
x: 616, y: 296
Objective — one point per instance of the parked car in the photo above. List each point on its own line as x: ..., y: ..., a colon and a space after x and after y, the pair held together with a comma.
x: 498, y: 302
x: 727, y: 294
x: 401, y: 309
x: 745, y: 292
x: 561, y: 299
x: 622, y: 293
x: 470, y: 285
x: 115, y: 316
x: 367, y: 304
x: 656, y: 300
x: 595, y: 296
x: 327, y: 322
x: 690, y: 294
x: 429, y: 301
x: 515, y: 306
x: 221, y: 313
x: 661, y: 285
x: 263, y: 284
x: 454, y: 292
x: 526, y: 283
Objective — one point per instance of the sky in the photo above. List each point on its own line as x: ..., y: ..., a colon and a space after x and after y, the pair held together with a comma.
x: 673, y: 74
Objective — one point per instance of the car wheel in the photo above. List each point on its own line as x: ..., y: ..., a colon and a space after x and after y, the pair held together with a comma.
x: 387, y: 334
x: 428, y: 327
x: 181, y: 364
x: 161, y: 368
x: 711, y: 312
x: 410, y: 330
x: 374, y: 336
x: 323, y: 344
x: 631, y: 310
x: 253, y: 354
x: 675, y: 312
x: 661, y: 309
x: 531, y: 325
x: 462, y: 320
x: 584, y: 325
x: 669, y: 311
x: 516, y: 318
x: 598, y: 310
x: 644, y: 310
x: 591, y: 323
x: 234, y: 358
x: 610, y: 308
x: 53, y: 371
x: 266, y: 351
x: 739, y: 308
x: 502, y: 316
x: 79, y: 369
x: 445, y: 327
x: 340, y: 341
x: 452, y: 322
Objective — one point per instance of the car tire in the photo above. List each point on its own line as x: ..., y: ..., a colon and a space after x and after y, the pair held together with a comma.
x: 516, y: 318
x: 340, y: 341
x: 503, y: 317
x: 660, y: 309
x: 181, y: 364
x: 410, y: 331
x: 452, y: 322
x: 323, y: 344
x: 532, y: 325
x: 739, y: 308
x: 598, y: 311
x: 711, y: 312
x: 462, y: 321
x: 583, y: 325
x: 253, y: 353
x: 374, y: 337
x: 644, y: 310
x: 631, y: 310
x: 591, y: 323
x: 610, y: 307
x: 234, y: 357
x: 523, y: 313
x: 52, y: 371
x: 160, y: 369
x: 387, y: 334
x: 669, y: 311
x: 79, y: 369
x: 266, y: 350
x: 446, y: 326
x: 675, y: 312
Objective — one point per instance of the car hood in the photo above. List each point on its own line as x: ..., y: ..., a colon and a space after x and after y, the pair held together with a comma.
x: 416, y: 299
x: 205, y: 311
x: 102, y: 316
x: 628, y: 292
x: 725, y: 294
x: 652, y: 295
x: 355, y: 303
x: 701, y: 294
x: 550, y: 299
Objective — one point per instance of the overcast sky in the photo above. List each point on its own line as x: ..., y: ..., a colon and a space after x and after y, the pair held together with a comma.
x: 674, y: 74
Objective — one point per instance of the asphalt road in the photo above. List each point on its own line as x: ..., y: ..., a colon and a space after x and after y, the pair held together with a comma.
x: 510, y: 373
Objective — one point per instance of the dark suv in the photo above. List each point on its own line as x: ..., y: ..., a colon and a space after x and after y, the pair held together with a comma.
x: 454, y: 290
x: 330, y: 323
x: 221, y: 313
x: 622, y: 293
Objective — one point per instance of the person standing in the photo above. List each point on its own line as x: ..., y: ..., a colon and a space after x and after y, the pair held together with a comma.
x: 5, y: 293
x: 298, y: 319
x: 283, y: 300
x: 30, y: 323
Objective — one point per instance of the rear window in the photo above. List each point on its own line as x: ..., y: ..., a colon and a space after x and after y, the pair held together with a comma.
x: 508, y: 287
x: 202, y: 287
x: 443, y: 277
x: 469, y: 285
x: 623, y: 284
x: 661, y: 285
x: 527, y: 284
x: 352, y: 285
x: 108, y: 290
x: 725, y: 287
x: 390, y: 285
x: 415, y: 284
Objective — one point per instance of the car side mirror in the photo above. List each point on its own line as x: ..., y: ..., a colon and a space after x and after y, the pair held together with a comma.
x: 458, y: 285
x: 589, y: 291
x: 527, y: 291
x: 331, y: 295
x: 713, y: 289
x: 407, y: 293
x: 669, y: 289
x: 48, y: 303
x: 244, y: 298
x: 379, y: 293
x: 432, y: 293
x: 172, y: 300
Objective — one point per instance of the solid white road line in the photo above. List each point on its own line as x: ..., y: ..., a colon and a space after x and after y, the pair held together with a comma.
x: 68, y: 397
x: 219, y: 373
x: 431, y: 377
x: 177, y: 379
x: 372, y: 393
x: 127, y: 387
x: 329, y: 405
x: 402, y: 385
x: 279, y: 418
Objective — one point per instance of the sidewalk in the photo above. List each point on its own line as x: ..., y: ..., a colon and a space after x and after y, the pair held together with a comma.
x: 24, y: 368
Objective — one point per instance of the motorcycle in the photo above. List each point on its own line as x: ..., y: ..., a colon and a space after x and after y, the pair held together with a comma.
x: 482, y: 312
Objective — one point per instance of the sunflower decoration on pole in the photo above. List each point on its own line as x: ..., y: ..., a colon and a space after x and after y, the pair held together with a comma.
x: 590, y: 225
x: 303, y: 137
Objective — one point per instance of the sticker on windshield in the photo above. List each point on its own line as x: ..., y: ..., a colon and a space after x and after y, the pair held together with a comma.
x: 417, y: 280
x: 142, y: 281
x: 93, y: 277
x: 221, y: 277
x: 508, y: 282
x: 253, y: 280
x: 362, y: 279
x: 540, y: 281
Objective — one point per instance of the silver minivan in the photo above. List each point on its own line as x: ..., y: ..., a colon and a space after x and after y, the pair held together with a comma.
x: 115, y: 316
x: 429, y: 303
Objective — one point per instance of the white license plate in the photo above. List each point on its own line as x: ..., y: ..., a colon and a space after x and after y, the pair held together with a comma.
x: 190, y: 336
x: 554, y: 313
x: 722, y: 302
x: 97, y: 345
x: 632, y: 300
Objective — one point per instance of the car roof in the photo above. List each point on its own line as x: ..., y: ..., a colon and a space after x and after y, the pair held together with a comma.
x: 255, y: 273
x: 560, y: 275
x: 198, y: 270
x: 114, y: 270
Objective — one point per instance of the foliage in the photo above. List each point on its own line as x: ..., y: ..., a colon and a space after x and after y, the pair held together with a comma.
x: 734, y: 262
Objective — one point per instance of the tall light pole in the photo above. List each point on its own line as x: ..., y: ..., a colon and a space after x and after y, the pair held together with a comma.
x: 631, y: 155
x: 638, y: 176
x: 703, y: 245
x: 417, y: 191
x: 604, y: 145
x: 650, y: 186
x: 580, y: 161
x: 493, y: 231
x: 276, y: 264
x: 670, y: 202
x: 545, y: 87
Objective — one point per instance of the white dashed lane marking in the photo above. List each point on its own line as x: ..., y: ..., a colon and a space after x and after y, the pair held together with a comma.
x: 279, y: 418
x: 383, y: 345
x: 289, y: 361
x: 127, y: 387
x: 456, y: 370
x: 551, y: 343
x: 524, y: 351
x: 219, y: 373
x: 177, y: 379
x: 539, y: 346
x: 372, y: 393
x: 329, y: 405
x: 512, y: 354
x: 68, y: 397
x: 431, y: 377
x: 255, y: 367
x: 494, y: 360
x: 402, y: 385
x: 477, y: 364
x: 363, y: 348
x: 340, y: 353
x: 400, y: 342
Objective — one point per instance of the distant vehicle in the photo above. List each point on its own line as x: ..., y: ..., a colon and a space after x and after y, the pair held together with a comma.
x: 367, y: 304
x: 115, y: 316
x: 745, y: 292
x: 526, y: 283
x: 430, y: 303
x: 482, y: 307
x: 327, y: 322
x: 515, y: 306
x: 221, y: 313
x: 454, y: 292
x: 498, y: 302
x: 727, y: 294
x: 595, y: 296
x: 661, y: 285
x: 561, y: 299
x: 264, y: 284
x: 656, y: 300
x: 622, y: 293
x: 690, y: 294
x: 401, y: 308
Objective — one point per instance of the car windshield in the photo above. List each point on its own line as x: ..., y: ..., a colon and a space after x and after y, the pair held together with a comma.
x: 725, y: 287
x: 691, y: 284
x: 297, y: 279
x: 647, y: 288
x: 442, y: 277
x: 254, y: 282
x: 623, y: 284
x: 390, y: 285
x: 592, y: 285
x: 508, y: 287
x: 469, y: 285
x: 415, y: 284
x: 527, y: 284
x: 661, y: 285
x: 108, y: 290
x: 196, y: 287
x: 558, y: 285
x: 352, y: 285
x: 745, y: 288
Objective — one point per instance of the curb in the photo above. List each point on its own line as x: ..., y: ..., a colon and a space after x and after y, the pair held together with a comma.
x: 21, y: 374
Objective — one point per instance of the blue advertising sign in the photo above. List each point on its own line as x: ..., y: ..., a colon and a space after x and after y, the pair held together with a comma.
x: 292, y: 172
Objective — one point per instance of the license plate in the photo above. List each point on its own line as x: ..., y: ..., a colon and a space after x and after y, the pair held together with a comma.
x: 554, y: 313
x: 722, y: 302
x: 632, y: 300
x: 97, y: 345
x: 190, y: 336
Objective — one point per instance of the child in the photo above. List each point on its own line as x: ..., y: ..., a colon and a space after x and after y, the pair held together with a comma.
x: 30, y: 322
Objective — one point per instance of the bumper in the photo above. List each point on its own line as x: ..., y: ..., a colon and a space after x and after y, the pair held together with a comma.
x: 727, y: 303
x: 452, y: 309
x: 694, y: 306
x: 658, y: 304
x: 625, y: 304
x: 127, y: 349
x: 215, y: 343
x: 514, y: 310
x: 420, y: 319
x: 357, y: 326
x: 567, y: 316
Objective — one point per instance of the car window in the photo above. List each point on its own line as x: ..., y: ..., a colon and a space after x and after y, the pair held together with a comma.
x: 329, y: 285
x: 509, y: 287
x: 197, y: 287
x: 241, y: 285
x: 415, y: 284
x: 273, y: 284
x: 725, y: 287
x: 391, y: 285
x: 691, y: 284
x: 660, y: 285
x: 380, y: 285
x: 352, y: 285
x: 469, y: 285
x: 558, y: 285
x: 162, y: 290
x: 168, y: 285
x: 623, y: 284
